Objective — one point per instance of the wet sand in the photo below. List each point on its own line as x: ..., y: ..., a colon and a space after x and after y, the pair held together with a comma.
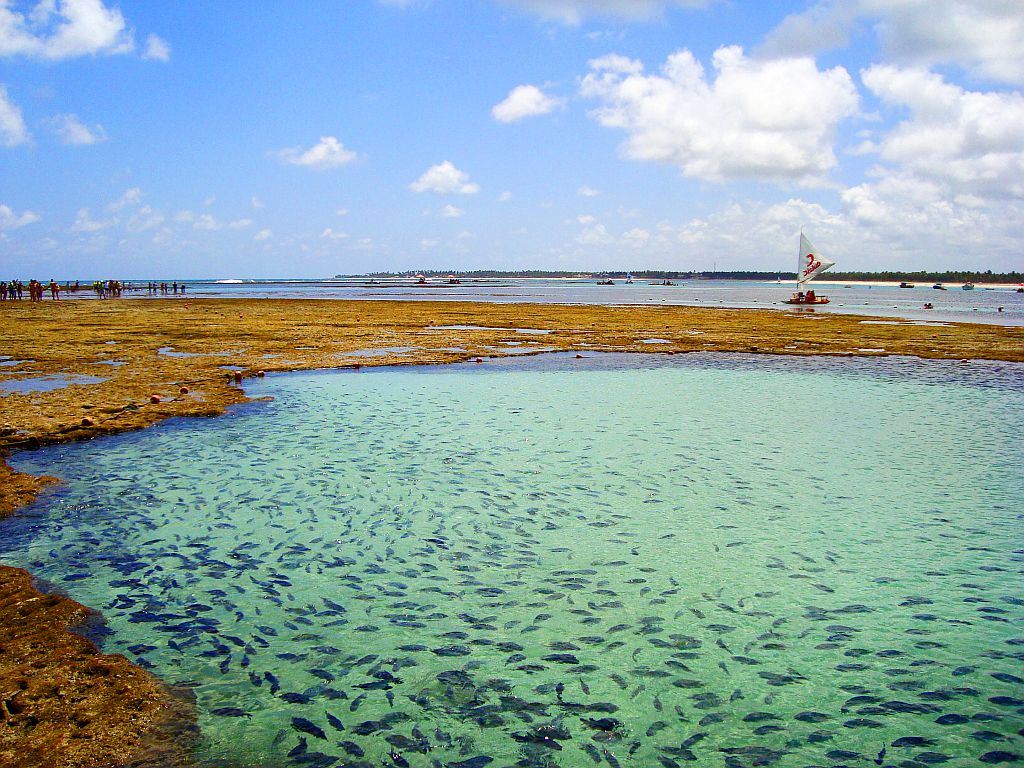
x: 63, y: 703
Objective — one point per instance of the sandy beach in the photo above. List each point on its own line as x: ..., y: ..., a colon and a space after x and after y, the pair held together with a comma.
x: 78, y: 370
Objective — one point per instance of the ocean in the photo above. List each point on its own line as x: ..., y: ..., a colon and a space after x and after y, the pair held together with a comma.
x: 626, y: 559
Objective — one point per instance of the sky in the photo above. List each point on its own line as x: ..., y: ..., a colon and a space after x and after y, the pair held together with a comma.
x: 232, y: 139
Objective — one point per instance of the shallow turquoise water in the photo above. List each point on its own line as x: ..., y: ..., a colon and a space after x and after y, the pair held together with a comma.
x: 629, y: 560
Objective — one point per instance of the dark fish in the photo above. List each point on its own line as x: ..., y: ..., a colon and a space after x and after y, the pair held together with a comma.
x: 275, y: 686
x: 474, y: 762
x: 912, y: 741
x: 308, y: 726
x: 811, y: 717
x: 351, y: 748
x: 229, y: 712
x: 601, y: 724
x: 335, y: 722
x: 999, y: 756
x: 560, y: 658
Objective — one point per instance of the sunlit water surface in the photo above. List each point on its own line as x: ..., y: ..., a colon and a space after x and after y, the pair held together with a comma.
x: 620, y: 560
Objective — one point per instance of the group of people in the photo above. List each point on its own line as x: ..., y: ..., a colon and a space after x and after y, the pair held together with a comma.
x: 110, y: 289
x: 14, y: 290
x: 163, y: 289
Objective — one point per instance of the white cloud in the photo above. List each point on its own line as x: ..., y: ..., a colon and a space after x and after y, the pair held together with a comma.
x: 130, y: 197
x: 596, y: 234
x: 255, y: 202
x: 10, y: 220
x: 85, y: 223
x: 329, y: 153
x: 143, y: 219
x: 524, y: 101
x: 13, y: 130
x: 504, y: 197
x: 240, y: 224
x: 451, y: 212
x: 63, y: 29
x: 157, y: 49
x: 330, y: 234
x: 766, y: 120
x: 208, y: 223
x: 342, y: 212
x: 984, y: 37
x: 586, y: 191
x: 444, y: 179
x: 263, y: 234
x: 574, y: 12
x: 73, y: 132
x: 970, y: 143
x: 636, y: 238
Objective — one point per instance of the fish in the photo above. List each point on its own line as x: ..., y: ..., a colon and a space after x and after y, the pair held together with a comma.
x: 229, y: 712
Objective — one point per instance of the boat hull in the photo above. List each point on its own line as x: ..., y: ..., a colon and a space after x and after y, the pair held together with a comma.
x: 816, y: 300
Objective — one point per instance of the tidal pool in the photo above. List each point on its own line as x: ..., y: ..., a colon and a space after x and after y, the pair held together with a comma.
x: 629, y: 560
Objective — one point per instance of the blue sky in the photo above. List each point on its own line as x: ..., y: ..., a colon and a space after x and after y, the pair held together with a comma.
x: 306, y: 139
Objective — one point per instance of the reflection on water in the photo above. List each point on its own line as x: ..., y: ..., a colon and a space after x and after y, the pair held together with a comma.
x: 714, y: 560
x: 46, y: 383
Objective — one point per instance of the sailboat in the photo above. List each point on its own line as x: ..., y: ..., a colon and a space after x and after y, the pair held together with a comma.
x: 809, y: 265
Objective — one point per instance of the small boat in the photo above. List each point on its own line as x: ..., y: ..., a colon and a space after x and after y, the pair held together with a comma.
x: 939, y: 287
x: 968, y: 286
x: 906, y: 285
x: 606, y: 282
x: 1020, y: 289
x: 929, y: 306
x: 809, y: 265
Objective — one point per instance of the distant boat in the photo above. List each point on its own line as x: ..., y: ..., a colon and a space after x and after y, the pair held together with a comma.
x: 808, y: 266
x: 906, y: 285
x: 609, y: 281
x: 968, y: 286
x: 939, y: 287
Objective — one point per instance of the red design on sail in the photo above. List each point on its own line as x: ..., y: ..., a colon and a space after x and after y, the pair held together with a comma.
x: 812, y: 264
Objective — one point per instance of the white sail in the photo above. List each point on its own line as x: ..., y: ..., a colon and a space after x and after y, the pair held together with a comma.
x: 810, y: 264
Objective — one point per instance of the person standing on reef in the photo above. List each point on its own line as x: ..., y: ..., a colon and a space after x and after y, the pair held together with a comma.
x: 54, y: 289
